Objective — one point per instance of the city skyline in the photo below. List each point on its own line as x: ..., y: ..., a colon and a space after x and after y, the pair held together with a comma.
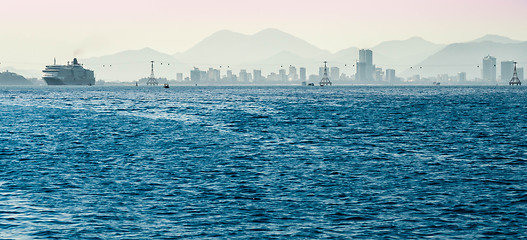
x: 366, y: 73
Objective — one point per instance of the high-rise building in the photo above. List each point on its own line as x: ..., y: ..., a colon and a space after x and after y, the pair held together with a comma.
x: 292, y: 76
x: 243, y: 76
x: 334, y: 73
x: 366, y: 56
x: 282, y: 75
x: 195, y: 75
x: 365, y: 67
x: 462, y: 77
x: 390, y: 75
x: 257, y: 74
x: 488, y: 73
x: 179, y: 77
x: 519, y: 72
x: 213, y: 74
x: 379, y: 74
x: 230, y: 77
x: 362, y: 73
x: 203, y: 76
x: 303, y: 74
x: 507, y: 70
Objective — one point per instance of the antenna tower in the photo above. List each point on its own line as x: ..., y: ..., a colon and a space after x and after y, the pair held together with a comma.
x: 152, y: 79
x: 515, y: 80
x: 325, y: 79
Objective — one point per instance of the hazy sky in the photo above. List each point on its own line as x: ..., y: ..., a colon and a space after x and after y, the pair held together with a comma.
x: 33, y: 30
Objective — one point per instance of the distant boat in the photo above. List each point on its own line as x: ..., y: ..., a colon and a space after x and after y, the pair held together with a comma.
x: 166, y: 85
x: 71, y: 74
x: 436, y: 83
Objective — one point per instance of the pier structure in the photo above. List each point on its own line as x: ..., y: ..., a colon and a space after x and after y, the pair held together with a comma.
x: 325, y: 79
x: 515, y: 80
x: 152, y: 81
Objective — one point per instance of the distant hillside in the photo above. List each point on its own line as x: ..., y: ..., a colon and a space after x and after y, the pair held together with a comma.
x: 133, y: 65
x: 230, y: 48
x: 495, y: 38
x: 27, y: 73
x: 10, y: 78
x: 401, y: 54
x: 347, y: 56
x: 467, y: 57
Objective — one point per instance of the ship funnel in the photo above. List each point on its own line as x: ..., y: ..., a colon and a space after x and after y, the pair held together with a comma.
x: 75, y: 61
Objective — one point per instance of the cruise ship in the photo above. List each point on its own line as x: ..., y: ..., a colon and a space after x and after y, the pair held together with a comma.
x: 71, y: 74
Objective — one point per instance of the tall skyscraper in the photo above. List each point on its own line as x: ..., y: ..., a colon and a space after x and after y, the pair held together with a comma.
x: 507, y: 70
x: 365, y: 67
x: 489, y: 69
x: 303, y: 74
x: 519, y: 72
x: 366, y: 56
x: 361, y: 74
x: 390, y: 75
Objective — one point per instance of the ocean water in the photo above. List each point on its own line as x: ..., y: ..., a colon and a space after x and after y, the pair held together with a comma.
x: 263, y: 162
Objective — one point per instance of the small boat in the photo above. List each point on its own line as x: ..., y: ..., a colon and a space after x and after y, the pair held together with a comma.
x: 166, y: 85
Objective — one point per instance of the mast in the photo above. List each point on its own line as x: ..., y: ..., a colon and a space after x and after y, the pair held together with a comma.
x: 152, y: 79
x: 325, y: 79
x: 515, y: 80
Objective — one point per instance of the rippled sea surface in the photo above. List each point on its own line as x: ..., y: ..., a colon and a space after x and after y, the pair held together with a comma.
x: 263, y: 162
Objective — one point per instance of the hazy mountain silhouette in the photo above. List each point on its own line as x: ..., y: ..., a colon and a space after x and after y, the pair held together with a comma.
x: 347, y: 56
x: 229, y: 48
x: 401, y: 54
x: 285, y: 58
x: 272, y: 49
x: 27, y: 73
x: 496, y: 39
x: 11, y: 78
x: 134, y: 64
x: 467, y: 57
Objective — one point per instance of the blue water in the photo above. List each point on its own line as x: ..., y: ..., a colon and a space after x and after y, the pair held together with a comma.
x: 263, y: 162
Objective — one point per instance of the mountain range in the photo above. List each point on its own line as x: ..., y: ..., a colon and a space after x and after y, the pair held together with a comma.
x: 467, y: 57
x: 272, y: 49
x: 132, y: 65
x: 226, y: 47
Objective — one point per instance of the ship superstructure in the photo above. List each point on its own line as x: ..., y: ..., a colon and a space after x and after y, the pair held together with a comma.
x: 70, y: 74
